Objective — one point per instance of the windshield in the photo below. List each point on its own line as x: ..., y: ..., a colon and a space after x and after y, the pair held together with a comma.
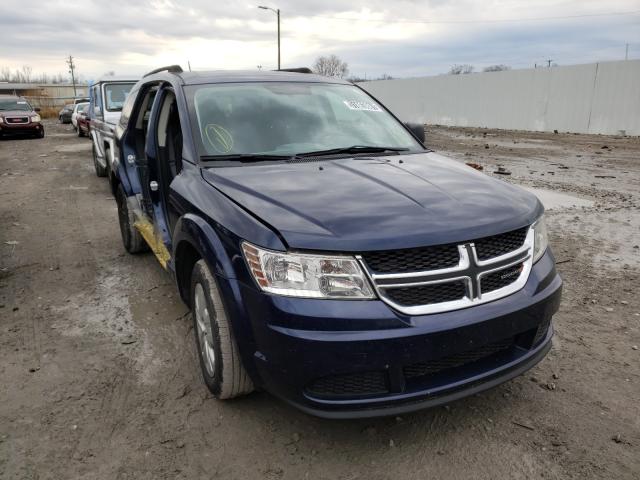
x: 116, y: 94
x: 291, y: 118
x: 81, y: 107
x: 15, y: 105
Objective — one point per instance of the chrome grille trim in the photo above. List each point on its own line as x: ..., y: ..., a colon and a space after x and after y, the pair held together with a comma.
x: 470, y: 270
x: 20, y: 120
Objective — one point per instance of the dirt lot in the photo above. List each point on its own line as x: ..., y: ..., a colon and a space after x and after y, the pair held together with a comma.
x: 99, y: 375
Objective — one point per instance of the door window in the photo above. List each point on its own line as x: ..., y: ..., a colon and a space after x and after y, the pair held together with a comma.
x: 169, y: 134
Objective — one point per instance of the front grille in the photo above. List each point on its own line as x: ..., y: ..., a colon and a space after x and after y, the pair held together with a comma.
x: 496, y: 245
x: 420, y: 281
x: 351, y: 384
x: 15, y: 120
x: 434, y: 366
x: 413, y: 259
x: 427, y: 294
x: 501, y: 278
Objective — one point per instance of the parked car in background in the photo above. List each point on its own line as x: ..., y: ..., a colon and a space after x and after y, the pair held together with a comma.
x: 78, y: 108
x: 107, y: 96
x: 327, y: 255
x: 64, y: 115
x: 18, y: 117
x: 83, y: 123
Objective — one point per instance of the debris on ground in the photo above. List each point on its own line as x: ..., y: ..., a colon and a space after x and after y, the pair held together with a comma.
x: 477, y: 166
x: 502, y: 171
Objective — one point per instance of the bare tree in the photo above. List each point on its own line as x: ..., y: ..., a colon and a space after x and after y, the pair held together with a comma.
x: 26, y: 73
x: 496, y: 68
x: 5, y: 74
x: 331, y: 66
x: 461, y: 69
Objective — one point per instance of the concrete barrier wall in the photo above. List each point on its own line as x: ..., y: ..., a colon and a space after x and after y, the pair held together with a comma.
x: 593, y: 98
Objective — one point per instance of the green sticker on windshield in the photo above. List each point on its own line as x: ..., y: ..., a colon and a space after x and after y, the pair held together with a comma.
x: 360, y: 105
x: 219, y: 138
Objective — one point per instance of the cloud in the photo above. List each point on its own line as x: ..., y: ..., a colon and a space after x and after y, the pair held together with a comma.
x: 374, y: 36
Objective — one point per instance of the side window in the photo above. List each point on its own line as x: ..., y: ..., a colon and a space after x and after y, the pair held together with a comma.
x: 98, y: 113
x: 126, y: 113
x: 128, y: 108
x: 169, y: 134
x: 140, y: 120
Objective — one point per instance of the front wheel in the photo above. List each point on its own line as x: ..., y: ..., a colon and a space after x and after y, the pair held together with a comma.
x: 131, y: 238
x: 220, y: 361
x: 100, y: 170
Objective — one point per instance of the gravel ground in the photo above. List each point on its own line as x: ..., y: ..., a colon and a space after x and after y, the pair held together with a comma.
x: 98, y: 368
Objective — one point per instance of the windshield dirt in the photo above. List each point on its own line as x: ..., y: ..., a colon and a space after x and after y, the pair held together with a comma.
x: 291, y: 118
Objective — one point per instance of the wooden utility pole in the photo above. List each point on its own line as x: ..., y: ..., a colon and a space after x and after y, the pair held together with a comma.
x: 72, y: 68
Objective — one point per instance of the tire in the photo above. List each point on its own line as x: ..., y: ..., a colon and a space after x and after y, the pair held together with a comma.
x: 100, y: 170
x: 131, y: 238
x: 40, y: 134
x: 220, y: 361
x: 80, y: 134
x: 60, y: 118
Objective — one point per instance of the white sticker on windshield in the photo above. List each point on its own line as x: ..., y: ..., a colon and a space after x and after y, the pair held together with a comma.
x: 358, y: 105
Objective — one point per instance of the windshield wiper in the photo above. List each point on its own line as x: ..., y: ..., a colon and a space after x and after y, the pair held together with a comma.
x: 351, y: 149
x: 243, y: 157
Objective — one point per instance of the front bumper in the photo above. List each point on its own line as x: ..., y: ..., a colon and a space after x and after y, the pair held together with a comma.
x: 31, y: 128
x: 349, y: 359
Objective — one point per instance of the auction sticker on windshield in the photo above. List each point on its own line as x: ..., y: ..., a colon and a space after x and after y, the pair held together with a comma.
x: 359, y: 105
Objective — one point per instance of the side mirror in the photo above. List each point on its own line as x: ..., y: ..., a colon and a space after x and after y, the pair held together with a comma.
x: 37, y: 109
x: 417, y: 129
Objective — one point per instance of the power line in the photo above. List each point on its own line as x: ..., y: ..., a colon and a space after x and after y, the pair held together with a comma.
x: 506, y: 20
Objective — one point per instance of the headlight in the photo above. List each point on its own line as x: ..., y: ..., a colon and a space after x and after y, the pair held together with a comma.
x: 35, y: 118
x: 302, y: 275
x: 541, y: 241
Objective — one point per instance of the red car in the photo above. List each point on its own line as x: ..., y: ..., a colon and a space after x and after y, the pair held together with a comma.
x: 18, y: 117
x: 83, y: 123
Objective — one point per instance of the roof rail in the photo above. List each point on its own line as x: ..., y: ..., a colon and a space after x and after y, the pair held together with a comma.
x: 169, y: 68
x: 295, y: 70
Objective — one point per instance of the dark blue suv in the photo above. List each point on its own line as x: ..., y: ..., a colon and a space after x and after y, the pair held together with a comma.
x: 328, y: 256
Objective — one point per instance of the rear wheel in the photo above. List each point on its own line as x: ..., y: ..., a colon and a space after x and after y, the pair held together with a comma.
x: 80, y: 133
x: 131, y: 238
x: 220, y: 361
x: 100, y: 170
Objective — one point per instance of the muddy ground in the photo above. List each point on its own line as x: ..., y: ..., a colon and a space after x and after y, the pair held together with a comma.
x: 98, y: 373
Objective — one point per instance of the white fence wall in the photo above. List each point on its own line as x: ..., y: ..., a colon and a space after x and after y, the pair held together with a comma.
x: 593, y: 98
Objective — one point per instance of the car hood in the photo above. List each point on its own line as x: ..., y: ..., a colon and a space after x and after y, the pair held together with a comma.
x: 361, y: 204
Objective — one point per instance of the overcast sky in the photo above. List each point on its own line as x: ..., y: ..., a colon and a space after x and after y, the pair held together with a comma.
x: 401, y: 38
